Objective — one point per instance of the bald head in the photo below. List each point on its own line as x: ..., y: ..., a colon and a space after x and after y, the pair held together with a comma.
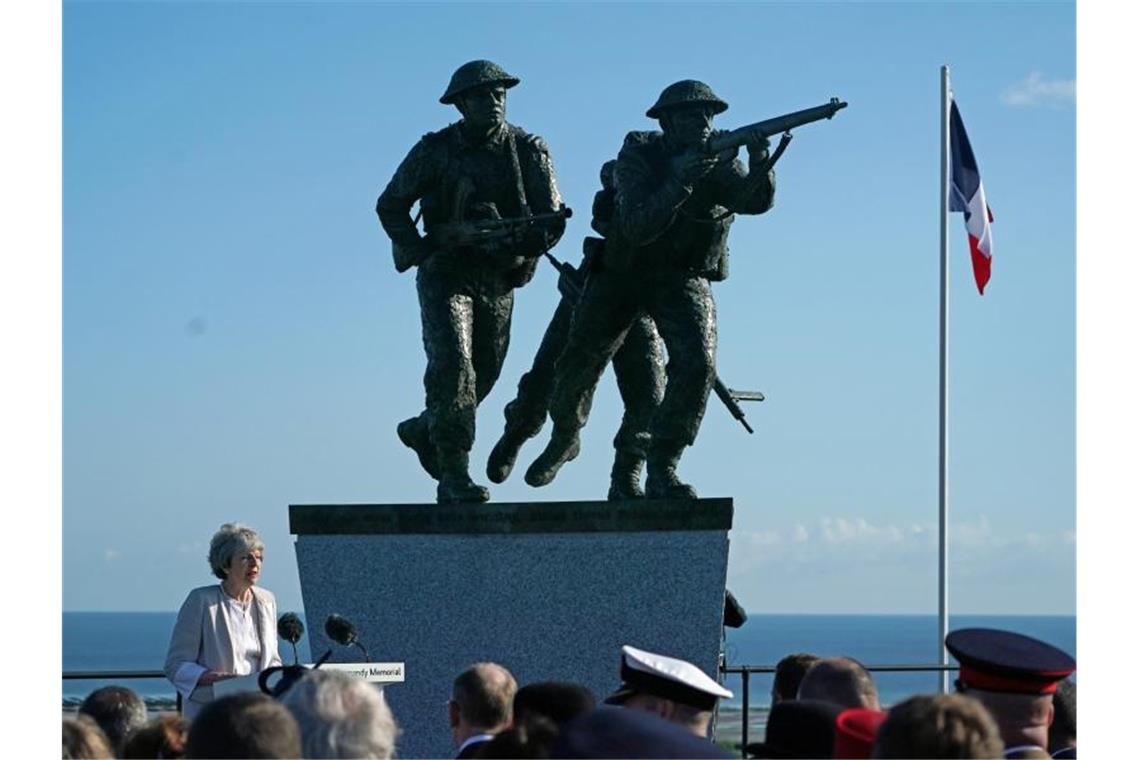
x: 483, y: 695
x: 841, y: 681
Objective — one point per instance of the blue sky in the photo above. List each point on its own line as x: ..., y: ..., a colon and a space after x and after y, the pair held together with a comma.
x: 236, y: 339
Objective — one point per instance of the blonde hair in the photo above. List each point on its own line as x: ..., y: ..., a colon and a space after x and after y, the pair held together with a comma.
x: 82, y: 737
x: 939, y: 725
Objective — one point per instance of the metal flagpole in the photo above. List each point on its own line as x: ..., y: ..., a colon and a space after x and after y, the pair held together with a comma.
x: 943, y: 394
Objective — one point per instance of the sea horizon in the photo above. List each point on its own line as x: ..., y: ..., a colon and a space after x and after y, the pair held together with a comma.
x: 110, y: 641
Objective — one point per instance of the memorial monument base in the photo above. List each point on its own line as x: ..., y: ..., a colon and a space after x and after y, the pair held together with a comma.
x: 549, y: 590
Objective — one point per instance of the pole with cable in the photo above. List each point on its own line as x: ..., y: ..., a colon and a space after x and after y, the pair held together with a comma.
x: 943, y: 391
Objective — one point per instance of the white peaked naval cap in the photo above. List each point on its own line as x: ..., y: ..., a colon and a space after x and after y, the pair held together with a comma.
x: 665, y: 677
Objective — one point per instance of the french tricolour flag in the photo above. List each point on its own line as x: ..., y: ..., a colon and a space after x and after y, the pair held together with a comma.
x: 968, y: 195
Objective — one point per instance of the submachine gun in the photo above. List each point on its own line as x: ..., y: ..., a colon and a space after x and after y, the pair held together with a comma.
x: 482, y: 231
x: 570, y: 282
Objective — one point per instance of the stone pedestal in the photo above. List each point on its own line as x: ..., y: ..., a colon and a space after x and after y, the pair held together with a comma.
x: 549, y: 590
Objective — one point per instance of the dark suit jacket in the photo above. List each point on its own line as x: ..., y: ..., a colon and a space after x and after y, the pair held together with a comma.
x: 471, y: 750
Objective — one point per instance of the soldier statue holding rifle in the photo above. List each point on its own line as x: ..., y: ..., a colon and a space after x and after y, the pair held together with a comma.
x: 490, y: 209
x: 638, y: 362
x: 676, y: 195
x: 639, y: 367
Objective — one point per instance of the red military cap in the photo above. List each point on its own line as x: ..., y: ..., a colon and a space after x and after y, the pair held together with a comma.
x: 855, y: 732
x: 994, y: 660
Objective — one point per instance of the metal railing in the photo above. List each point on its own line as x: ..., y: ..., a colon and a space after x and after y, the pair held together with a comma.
x: 113, y: 675
x: 745, y: 672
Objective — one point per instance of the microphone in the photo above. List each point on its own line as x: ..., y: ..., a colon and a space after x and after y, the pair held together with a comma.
x: 343, y: 632
x: 340, y: 630
x: 290, y: 628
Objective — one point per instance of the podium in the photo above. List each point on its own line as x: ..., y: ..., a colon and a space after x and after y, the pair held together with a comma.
x: 551, y: 591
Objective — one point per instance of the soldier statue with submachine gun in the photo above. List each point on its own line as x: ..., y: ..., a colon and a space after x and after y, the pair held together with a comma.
x: 676, y: 194
x: 490, y: 209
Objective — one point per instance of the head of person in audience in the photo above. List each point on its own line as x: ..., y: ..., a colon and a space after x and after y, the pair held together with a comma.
x: 1063, y: 730
x: 841, y: 680
x: 938, y: 725
x: 481, y: 701
x: 244, y: 725
x: 82, y: 738
x: 1022, y: 719
x: 164, y: 736
x: 556, y: 701
x: 789, y: 673
x: 1014, y: 676
x: 117, y: 710
x: 672, y: 689
x: 341, y: 717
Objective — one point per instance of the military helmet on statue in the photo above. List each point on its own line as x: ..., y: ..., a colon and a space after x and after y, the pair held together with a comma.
x: 476, y: 74
x: 687, y: 92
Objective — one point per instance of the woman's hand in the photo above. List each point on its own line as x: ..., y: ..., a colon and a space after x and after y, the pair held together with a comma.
x: 212, y: 676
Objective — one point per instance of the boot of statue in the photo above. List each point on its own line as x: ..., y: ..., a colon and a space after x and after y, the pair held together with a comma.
x: 413, y: 433
x: 562, y: 448
x: 625, y: 477
x: 661, y: 481
x: 455, y: 485
x: 503, y: 456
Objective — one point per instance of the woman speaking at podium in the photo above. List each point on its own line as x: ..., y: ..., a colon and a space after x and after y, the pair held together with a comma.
x: 227, y: 629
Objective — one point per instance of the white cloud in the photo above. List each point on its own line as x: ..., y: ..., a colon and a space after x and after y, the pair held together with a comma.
x: 803, y: 543
x: 821, y: 566
x: 973, y: 534
x: 840, y: 530
x: 110, y: 555
x: 1035, y: 90
x: 763, y: 538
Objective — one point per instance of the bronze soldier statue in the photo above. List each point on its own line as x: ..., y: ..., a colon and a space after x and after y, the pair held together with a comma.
x: 639, y: 367
x: 675, y: 201
x: 490, y: 208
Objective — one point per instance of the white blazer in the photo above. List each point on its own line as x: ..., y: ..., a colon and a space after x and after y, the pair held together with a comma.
x: 201, y: 641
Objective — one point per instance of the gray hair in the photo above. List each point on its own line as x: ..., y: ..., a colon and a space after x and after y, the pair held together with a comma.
x: 230, y: 539
x: 341, y: 717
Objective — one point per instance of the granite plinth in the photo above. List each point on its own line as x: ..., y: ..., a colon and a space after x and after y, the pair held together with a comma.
x: 549, y: 590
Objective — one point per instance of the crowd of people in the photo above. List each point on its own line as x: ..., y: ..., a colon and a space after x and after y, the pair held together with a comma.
x: 664, y: 707
x: 1015, y: 699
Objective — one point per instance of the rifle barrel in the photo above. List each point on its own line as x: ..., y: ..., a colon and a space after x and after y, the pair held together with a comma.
x: 769, y: 127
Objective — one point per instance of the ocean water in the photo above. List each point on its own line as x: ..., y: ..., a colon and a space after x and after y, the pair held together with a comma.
x: 120, y: 641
